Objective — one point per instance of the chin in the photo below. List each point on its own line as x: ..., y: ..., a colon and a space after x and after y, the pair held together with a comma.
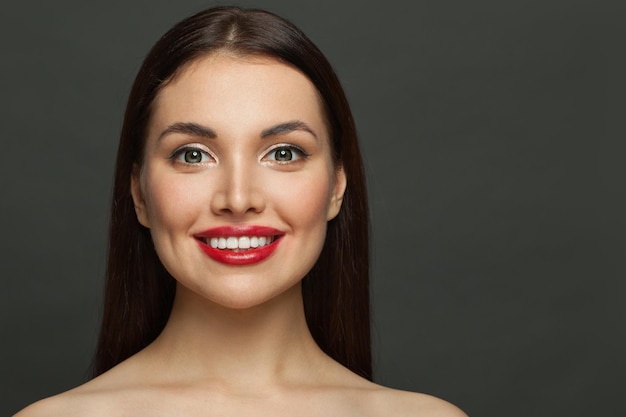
x: 241, y: 301
x: 238, y: 298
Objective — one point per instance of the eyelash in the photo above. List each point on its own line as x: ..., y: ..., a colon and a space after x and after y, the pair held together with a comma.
x: 296, y: 151
x: 180, y: 152
x: 297, y: 154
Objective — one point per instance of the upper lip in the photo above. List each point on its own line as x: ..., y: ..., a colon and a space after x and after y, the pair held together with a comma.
x: 238, y: 231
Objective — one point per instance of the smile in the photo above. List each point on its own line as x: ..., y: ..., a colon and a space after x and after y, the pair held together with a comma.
x: 241, y: 242
x: 239, y: 245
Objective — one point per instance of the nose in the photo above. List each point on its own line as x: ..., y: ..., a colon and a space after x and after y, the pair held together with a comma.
x: 238, y: 191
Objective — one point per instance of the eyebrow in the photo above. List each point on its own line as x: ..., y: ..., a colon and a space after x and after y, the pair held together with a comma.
x: 287, y: 127
x: 188, y: 128
x: 195, y: 129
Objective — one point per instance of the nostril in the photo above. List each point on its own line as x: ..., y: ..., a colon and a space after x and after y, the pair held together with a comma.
x: 238, y: 188
x: 229, y: 203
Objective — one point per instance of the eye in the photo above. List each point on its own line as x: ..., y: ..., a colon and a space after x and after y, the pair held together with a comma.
x: 191, y: 155
x: 285, y: 154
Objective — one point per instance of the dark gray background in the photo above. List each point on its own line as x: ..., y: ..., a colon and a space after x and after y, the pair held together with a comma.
x: 493, y: 133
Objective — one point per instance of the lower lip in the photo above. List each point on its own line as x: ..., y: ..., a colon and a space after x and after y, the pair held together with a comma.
x: 240, y: 257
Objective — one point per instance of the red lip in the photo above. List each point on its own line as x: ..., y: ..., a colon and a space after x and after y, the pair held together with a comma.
x: 239, y: 256
x: 240, y: 230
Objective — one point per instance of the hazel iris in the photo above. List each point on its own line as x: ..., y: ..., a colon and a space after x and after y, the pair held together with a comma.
x: 193, y: 156
x: 283, y: 155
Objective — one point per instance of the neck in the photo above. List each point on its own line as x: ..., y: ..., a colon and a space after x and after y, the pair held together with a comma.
x: 268, y: 342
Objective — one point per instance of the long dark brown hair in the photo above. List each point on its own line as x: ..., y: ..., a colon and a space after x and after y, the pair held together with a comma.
x: 139, y: 291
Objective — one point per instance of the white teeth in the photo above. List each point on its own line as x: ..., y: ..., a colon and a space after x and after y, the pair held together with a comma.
x: 242, y: 242
x: 232, y: 243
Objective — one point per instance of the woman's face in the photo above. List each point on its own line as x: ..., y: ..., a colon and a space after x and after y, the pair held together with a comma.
x: 237, y: 182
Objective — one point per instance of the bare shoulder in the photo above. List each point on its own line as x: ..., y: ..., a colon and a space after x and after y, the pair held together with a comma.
x: 66, y: 404
x: 415, y: 404
x: 106, y: 395
x: 410, y: 404
x: 87, y: 400
x: 95, y: 398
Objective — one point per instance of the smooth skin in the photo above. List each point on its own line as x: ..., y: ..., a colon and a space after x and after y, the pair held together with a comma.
x: 237, y: 141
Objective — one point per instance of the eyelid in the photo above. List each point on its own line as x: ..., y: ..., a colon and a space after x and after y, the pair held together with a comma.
x: 191, y: 147
x: 302, y: 154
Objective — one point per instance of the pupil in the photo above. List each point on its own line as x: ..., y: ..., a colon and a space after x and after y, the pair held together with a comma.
x: 193, y: 156
x: 283, y: 155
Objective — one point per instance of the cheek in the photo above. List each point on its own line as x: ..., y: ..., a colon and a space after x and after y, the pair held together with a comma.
x: 176, y: 201
x: 306, y: 199
x: 171, y: 202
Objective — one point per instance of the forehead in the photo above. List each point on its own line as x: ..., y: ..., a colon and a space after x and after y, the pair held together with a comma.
x: 230, y: 92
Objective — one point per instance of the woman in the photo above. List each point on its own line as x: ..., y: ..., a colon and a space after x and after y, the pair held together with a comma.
x: 238, y: 258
